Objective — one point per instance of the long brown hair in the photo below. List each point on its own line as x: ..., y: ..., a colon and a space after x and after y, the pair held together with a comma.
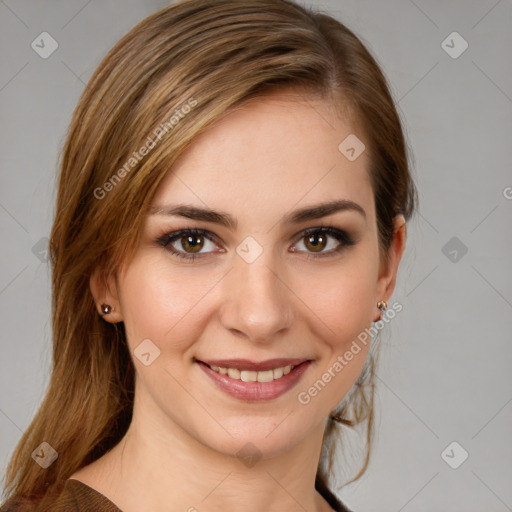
x: 168, y: 79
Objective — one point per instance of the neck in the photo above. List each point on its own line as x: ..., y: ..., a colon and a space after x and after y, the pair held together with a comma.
x: 158, y: 464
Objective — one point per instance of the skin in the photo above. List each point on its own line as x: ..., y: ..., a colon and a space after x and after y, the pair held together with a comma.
x: 260, y: 162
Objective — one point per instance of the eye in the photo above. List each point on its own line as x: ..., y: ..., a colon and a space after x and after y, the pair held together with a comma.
x: 179, y: 243
x: 315, y: 240
x: 188, y: 243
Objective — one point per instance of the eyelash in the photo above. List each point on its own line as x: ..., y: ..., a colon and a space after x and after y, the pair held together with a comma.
x: 340, y: 235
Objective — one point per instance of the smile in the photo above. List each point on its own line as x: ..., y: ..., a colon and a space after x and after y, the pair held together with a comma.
x: 252, y: 376
x: 251, y: 381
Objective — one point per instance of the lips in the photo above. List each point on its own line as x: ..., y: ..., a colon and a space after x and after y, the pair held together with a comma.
x: 236, y: 377
x: 246, y: 364
x: 254, y: 380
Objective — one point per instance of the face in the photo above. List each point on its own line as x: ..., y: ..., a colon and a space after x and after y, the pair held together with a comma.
x: 269, y: 287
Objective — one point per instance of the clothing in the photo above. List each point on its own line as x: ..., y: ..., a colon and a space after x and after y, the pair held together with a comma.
x: 333, y: 501
x: 74, y: 497
x: 79, y: 497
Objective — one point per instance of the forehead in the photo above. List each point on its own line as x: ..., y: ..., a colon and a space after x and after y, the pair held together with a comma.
x: 268, y: 156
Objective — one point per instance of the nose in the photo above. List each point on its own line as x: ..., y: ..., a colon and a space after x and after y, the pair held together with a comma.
x: 257, y: 304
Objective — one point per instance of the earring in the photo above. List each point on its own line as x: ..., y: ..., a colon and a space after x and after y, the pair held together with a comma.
x: 382, y: 305
x: 106, y: 309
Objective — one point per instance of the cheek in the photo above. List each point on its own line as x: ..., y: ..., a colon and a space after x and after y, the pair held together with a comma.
x: 341, y: 301
x: 342, y: 309
x: 155, y: 302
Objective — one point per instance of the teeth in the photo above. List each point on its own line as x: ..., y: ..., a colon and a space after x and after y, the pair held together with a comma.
x: 234, y: 373
x: 252, y: 376
x: 248, y: 376
x: 266, y: 376
x: 278, y: 373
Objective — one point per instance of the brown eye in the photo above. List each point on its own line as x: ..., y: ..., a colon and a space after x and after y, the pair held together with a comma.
x: 191, y: 243
x: 188, y: 243
x: 316, y: 242
x: 324, y: 241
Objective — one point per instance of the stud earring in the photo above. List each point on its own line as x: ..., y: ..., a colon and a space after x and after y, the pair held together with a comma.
x: 106, y: 309
x: 382, y: 305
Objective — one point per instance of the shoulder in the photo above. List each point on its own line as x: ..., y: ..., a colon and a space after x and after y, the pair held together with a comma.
x: 338, y: 506
x: 334, y: 502
x: 74, y: 496
x: 343, y: 508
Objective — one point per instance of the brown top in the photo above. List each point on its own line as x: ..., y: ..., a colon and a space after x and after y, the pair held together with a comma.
x: 79, y: 497
x: 74, y: 497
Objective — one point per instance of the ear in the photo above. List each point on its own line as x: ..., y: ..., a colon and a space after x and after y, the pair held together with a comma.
x: 388, y: 272
x: 104, y: 291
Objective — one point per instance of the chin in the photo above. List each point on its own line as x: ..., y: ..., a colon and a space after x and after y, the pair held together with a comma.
x: 259, y: 438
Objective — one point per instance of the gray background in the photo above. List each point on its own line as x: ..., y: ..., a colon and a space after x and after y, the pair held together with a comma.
x: 445, y: 367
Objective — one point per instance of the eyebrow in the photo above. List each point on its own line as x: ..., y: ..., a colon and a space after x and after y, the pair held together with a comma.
x: 225, y: 219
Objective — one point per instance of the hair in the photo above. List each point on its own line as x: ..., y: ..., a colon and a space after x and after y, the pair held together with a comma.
x: 211, y: 57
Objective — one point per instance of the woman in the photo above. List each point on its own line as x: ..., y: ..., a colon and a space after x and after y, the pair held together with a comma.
x: 230, y: 219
